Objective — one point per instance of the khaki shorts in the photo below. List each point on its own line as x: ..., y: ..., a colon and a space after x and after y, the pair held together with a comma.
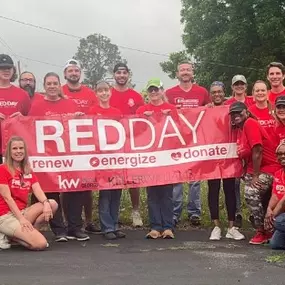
x: 9, y: 224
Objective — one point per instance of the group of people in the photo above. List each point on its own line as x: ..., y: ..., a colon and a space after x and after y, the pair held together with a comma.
x: 257, y: 123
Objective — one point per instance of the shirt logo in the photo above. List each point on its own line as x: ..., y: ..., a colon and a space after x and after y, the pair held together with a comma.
x: 8, y: 103
x: 131, y: 102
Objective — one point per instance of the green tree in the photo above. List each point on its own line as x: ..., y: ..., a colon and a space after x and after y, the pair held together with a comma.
x: 228, y: 37
x: 98, y: 56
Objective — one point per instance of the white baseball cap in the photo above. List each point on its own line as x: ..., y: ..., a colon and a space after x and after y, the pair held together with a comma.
x: 72, y: 62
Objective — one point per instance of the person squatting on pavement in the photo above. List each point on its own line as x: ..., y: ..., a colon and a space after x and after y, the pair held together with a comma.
x: 159, y: 197
x: 187, y: 95
x: 257, y: 150
x: 109, y: 200
x: 217, y: 92
x: 18, y: 222
x: 55, y: 104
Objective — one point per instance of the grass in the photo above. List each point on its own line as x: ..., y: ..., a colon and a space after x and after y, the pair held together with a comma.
x: 126, y: 208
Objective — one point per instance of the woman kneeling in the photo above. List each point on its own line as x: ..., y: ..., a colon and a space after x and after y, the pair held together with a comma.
x: 17, y: 221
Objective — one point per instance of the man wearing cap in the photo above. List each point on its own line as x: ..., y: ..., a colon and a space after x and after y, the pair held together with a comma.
x: 276, y: 76
x: 187, y: 95
x: 85, y: 98
x: 27, y: 82
x: 257, y: 149
x: 127, y: 101
x: 13, y: 102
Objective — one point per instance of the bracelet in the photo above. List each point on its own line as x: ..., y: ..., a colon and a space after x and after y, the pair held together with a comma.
x: 46, y: 200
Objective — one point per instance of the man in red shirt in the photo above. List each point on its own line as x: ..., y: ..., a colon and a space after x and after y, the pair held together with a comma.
x: 275, y: 76
x: 13, y: 100
x: 85, y: 98
x: 184, y: 96
x: 127, y: 101
x: 27, y: 82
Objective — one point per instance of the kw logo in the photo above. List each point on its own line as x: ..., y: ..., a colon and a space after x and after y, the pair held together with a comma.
x: 68, y: 183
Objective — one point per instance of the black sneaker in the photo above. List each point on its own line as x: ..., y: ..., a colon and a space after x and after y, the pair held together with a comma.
x: 195, y: 220
x: 251, y: 220
x: 91, y: 229
x: 110, y: 236
x: 78, y: 235
x: 61, y: 238
x: 120, y: 234
x: 238, y: 221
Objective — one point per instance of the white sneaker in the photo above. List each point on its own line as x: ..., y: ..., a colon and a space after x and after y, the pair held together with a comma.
x: 4, y: 242
x: 216, y: 234
x: 137, y: 220
x: 233, y: 233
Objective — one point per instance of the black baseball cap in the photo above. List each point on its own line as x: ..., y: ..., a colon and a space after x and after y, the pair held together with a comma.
x: 6, y: 61
x: 280, y: 100
x: 237, y: 107
x: 122, y: 66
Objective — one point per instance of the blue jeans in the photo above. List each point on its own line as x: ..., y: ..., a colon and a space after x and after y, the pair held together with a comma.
x: 278, y: 239
x: 160, y: 207
x: 109, y: 206
x: 238, y: 200
x: 194, y: 200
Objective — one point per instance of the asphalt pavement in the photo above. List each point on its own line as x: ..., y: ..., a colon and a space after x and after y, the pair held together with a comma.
x: 189, y: 259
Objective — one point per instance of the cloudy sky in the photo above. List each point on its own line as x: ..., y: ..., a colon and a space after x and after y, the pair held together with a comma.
x: 151, y: 25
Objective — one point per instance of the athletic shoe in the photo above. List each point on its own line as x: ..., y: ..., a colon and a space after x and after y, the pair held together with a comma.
x: 153, y: 234
x: 4, y: 242
x: 61, y: 238
x: 216, y: 233
x: 168, y: 234
x: 259, y: 238
x: 110, y: 236
x: 195, y: 220
x: 119, y: 234
x: 78, y: 235
x: 233, y: 233
x: 137, y: 220
x: 92, y: 229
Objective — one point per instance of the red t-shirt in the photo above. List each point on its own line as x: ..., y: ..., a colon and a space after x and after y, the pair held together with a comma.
x: 278, y: 187
x: 264, y: 118
x: 156, y: 109
x: 20, y: 186
x: 127, y: 101
x: 98, y: 110
x: 248, y: 101
x: 36, y: 97
x: 13, y: 99
x: 253, y: 134
x: 197, y: 96
x: 53, y: 108
x: 280, y: 131
x: 272, y: 96
x: 84, y: 97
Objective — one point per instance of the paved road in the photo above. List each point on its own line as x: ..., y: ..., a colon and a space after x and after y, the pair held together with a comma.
x: 190, y: 259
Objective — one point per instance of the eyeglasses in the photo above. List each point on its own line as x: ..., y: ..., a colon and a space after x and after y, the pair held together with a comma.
x: 27, y: 80
x: 218, y: 92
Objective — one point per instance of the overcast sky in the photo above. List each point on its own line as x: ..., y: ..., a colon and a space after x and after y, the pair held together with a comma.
x: 152, y: 25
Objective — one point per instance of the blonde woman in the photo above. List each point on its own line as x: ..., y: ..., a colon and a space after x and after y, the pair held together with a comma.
x: 17, y: 221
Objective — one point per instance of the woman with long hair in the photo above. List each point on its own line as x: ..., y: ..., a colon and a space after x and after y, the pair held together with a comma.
x: 279, y: 113
x: 56, y: 104
x: 257, y: 149
x: 217, y: 93
x: 19, y: 222
x: 262, y: 107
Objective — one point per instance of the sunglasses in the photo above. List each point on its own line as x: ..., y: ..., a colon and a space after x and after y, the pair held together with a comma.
x: 152, y: 88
